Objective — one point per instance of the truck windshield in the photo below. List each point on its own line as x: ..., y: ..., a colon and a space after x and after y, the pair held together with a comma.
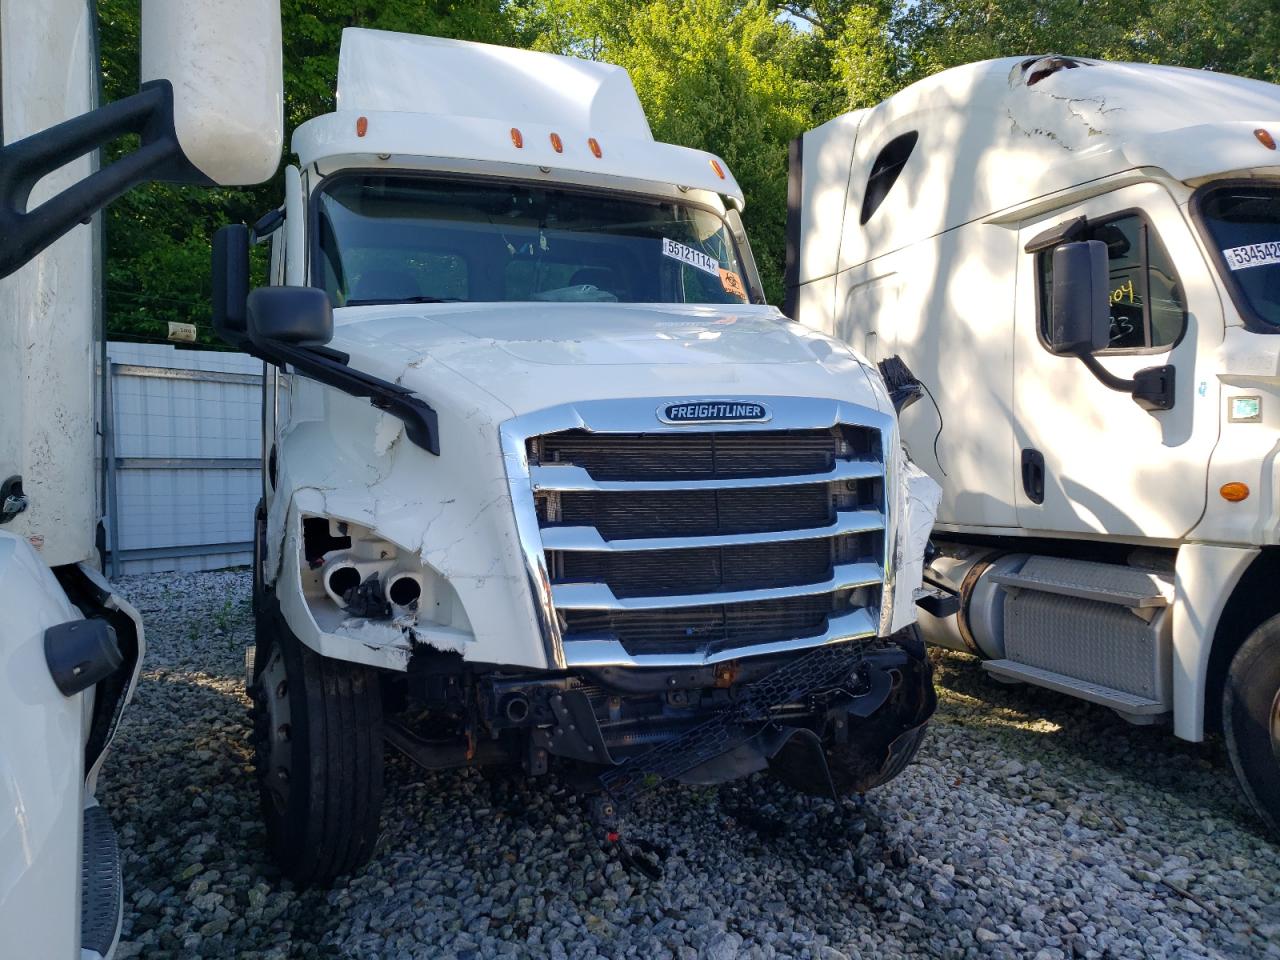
x: 406, y: 239
x: 1244, y: 224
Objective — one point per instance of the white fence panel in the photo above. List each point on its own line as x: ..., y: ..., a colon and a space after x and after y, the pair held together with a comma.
x: 183, y: 461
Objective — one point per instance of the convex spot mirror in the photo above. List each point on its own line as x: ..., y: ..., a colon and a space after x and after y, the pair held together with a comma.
x: 1080, y: 318
x: 294, y: 316
x: 223, y: 62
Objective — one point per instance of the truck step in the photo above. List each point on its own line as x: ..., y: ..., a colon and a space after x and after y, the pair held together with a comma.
x: 1118, y: 700
x: 1103, y: 582
x: 101, y: 887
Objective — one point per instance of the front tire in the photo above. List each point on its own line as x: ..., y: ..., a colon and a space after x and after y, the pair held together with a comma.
x: 318, y: 752
x: 1251, y: 720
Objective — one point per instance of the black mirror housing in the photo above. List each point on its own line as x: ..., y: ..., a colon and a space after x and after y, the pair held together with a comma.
x: 297, y: 316
x: 231, y: 284
x: 1080, y: 321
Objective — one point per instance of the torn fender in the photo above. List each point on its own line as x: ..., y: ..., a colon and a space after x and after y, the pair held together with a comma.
x: 919, y: 497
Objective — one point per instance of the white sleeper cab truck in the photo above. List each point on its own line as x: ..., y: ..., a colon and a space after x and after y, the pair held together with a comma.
x: 70, y: 647
x: 1075, y: 267
x: 546, y: 482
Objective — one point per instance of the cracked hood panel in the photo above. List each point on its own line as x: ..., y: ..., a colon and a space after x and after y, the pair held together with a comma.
x: 480, y: 365
x: 521, y: 357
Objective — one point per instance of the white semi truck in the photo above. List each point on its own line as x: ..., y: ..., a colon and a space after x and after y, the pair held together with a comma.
x: 545, y: 480
x: 1080, y: 264
x: 209, y: 111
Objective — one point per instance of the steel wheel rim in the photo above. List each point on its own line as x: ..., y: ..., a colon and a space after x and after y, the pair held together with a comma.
x: 274, y: 681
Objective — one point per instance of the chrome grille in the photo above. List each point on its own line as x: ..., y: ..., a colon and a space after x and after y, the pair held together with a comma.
x: 715, y: 628
x: 692, y: 513
x: 709, y: 455
x: 710, y: 542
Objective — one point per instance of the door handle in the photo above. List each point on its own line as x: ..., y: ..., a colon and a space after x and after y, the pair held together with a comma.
x: 1033, y: 475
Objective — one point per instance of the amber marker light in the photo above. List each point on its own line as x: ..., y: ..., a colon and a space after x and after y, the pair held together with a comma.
x: 362, y: 126
x: 556, y: 143
x: 594, y: 144
x: 1265, y: 138
x: 715, y: 165
x: 517, y: 138
x: 1234, y: 492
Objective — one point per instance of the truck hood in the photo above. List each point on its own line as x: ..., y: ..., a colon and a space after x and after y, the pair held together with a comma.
x: 524, y: 356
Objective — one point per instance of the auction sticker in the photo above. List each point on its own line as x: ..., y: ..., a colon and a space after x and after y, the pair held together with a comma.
x: 1252, y: 255
x: 732, y: 284
x: 694, y: 258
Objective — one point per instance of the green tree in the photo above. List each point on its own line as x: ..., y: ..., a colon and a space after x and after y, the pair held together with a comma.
x: 158, y: 236
x: 718, y: 75
x: 740, y: 78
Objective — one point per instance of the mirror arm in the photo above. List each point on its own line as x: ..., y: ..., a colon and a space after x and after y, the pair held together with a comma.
x: 421, y: 424
x: 1152, y: 388
x: 1105, y: 376
x: 149, y: 113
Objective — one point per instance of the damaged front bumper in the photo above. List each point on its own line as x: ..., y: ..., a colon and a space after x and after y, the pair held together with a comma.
x: 636, y: 728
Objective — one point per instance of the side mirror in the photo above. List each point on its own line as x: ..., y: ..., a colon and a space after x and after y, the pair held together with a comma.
x: 291, y: 316
x: 210, y: 111
x: 223, y: 61
x: 1080, y: 318
x: 231, y: 284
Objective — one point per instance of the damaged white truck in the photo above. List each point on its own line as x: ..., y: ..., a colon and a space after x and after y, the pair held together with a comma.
x: 1080, y: 262
x: 545, y: 480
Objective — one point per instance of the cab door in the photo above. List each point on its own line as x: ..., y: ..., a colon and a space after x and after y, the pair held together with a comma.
x: 1088, y: 459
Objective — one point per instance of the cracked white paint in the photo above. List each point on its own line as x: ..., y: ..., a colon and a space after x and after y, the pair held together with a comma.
x: 386, y: 433
x: 453, y: 513
x: 920, y: 497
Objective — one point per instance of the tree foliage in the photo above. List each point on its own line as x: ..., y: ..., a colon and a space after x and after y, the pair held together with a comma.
x: 740, y: 78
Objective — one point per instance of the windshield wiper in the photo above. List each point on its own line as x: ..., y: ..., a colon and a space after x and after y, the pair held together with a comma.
x: 382, y: 301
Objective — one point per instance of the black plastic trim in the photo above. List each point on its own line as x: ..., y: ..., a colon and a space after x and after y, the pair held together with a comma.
x: 421, y: 423
x: 1152, y: 388
x: 1033, y: 475
x: 1065, y: 232
x: 795, y: 203
x: 25, y: 233
x: 1252, y: 322
x: 80, y: 653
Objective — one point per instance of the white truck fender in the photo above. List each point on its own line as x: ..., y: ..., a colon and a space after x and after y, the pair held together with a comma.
x: 113, y: 601
x: 919, y: 501
x: 41, y: 765
x: 1205, y: 577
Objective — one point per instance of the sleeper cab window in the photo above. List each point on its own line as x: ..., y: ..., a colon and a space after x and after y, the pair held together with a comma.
x: 1148, y: 310
x: 885, y: 171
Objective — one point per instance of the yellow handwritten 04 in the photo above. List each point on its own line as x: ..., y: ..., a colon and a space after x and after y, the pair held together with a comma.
x: 1118, y: 294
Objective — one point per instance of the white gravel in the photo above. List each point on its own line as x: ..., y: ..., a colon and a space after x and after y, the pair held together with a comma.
x: 1032, y: 826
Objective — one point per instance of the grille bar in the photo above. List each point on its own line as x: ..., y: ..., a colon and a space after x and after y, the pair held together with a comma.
x: 694, y: 545
x: 598, y: 596
x: 565, y: 477
x: 607, y: 652
x: 588, y: 539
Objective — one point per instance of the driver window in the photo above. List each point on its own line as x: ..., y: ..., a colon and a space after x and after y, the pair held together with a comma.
x: 1148, y: 311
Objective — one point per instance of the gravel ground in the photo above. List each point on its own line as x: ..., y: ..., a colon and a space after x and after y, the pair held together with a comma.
x: 1031, y: 826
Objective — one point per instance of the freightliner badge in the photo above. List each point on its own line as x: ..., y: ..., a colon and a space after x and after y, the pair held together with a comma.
x: 714, y: 411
